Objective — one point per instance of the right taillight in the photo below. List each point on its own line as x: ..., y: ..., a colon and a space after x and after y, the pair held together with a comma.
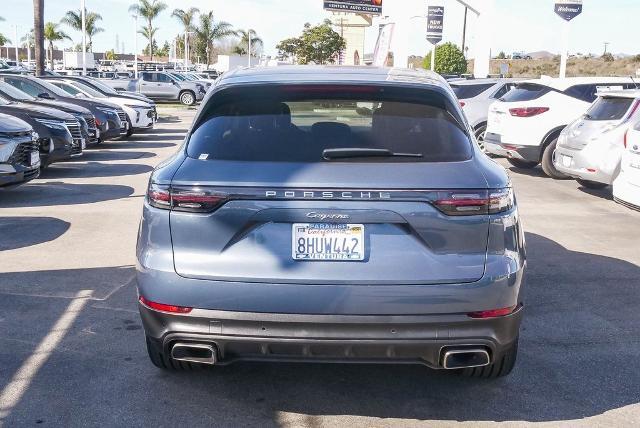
x: 188, y: 199
x: 475, y: 203
x: 626, y: 136
x: 527, y: 111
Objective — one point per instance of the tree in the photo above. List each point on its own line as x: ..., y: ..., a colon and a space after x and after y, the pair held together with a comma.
x: 164, y: 51
x: 187, y: 18
x: 210, y: 31
x: 110, y: 55
x: 243, y: 46
x: 38, y: 25
x: 3, y: 40
x: 449, y: 60
x: 74, y: 20
x: 148, y: 9
x: 150, y: 36
x: 501, y: 55
x: 53, y: 34
x: 319, y: 44
x: 608, y: 57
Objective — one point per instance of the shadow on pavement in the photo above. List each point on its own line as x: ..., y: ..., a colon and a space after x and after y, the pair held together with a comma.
x: 113, y: 155
x: 55, y: 193
x: 605, y: 193
x: 93, y: 169
x: 20, y: 232
x: 579, y: 348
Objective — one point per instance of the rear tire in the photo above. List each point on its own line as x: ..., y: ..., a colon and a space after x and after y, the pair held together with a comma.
x: 547, y: 162
x: 591, y: 184
x: 522, y: 164
x: 499, y: 368
x: 479, y: 134
x: 188, y: 98
x: 163, y: 361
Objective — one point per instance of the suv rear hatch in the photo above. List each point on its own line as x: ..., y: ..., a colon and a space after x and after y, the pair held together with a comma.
x: 317, y: 184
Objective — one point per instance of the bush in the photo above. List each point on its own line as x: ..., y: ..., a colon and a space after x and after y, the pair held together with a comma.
x: 636, y: 58
x: 501, y: 55
x: 449, y: 60
x: 608, y: 57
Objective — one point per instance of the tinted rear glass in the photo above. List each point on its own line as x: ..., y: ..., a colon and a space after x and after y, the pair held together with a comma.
x: 609, y: 108
x: 464, y: 92
x: 295, y: 126
x: 525, y: 92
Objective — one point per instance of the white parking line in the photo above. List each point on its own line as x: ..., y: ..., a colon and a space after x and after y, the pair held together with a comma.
x: 13, y: 392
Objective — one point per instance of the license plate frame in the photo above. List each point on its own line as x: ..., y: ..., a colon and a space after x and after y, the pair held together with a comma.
x: 345, y: 242
x: 34, y: 158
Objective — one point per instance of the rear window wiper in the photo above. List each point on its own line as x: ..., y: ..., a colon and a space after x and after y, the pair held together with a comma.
x: 331, y: 154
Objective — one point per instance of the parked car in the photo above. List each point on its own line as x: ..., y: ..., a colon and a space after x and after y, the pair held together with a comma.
x: 161, y: 85
x: 476, y: 95
x: 19, y: 154
x: 188, y: 77
x: 111, y: 120
x: 84, y: 116
x: 590, y: 148
x: 59, y: 134
x: 140, y: 115
x: 347, y: 264
x: 524, y: 125
x: 110, y: 92
x: 626, y: 187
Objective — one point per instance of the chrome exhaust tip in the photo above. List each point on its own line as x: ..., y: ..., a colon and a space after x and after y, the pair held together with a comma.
x: 200, y: 353
x: 464, y: 358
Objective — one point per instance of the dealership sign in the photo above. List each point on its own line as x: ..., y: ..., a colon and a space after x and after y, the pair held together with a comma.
x: 435, y: 24
x: 370, y: 7
x: 568, y: 9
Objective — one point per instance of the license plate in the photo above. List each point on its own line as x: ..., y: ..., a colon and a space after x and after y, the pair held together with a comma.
x: 34, y: 158
x: 566, y: 161
x: 83, y: 144
x: 329, y: 242
x: 97, y: 133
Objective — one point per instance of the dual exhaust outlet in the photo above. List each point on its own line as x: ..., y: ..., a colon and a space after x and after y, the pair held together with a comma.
x: 452, y: 358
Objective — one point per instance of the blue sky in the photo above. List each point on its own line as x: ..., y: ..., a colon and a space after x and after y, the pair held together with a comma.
x: 522, y: 25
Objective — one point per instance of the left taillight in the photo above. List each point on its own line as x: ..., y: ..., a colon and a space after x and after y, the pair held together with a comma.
x: 475, y: 203
x: 188, y: 199
x: 527, y: 111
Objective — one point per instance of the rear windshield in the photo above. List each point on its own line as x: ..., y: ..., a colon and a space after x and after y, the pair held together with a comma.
x: 609, y: 108
x: 294, y: 126
x: 464, y: 92
x: 525, y: 92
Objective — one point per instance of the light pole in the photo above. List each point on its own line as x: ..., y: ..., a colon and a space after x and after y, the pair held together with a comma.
x: 186, y: 49
x: 15, y: 34
x: 84, y: 37
x: 135, y: 49
x: 249, y: 51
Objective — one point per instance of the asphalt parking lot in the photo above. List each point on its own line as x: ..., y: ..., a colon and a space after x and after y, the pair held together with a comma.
x: 72, y: 348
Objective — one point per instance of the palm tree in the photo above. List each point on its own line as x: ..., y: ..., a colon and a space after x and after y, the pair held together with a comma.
x: 53, y: 34
x: 4, y: 40
x: 211, y: 31
x: 148, y: 9
x: 149, y: 36
x: 38, y: 25
x: 187, y: 18
x: 74, y: 20
x: 256, y: 43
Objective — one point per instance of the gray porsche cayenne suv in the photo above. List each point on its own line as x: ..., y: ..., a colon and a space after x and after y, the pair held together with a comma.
x: 331, y: 214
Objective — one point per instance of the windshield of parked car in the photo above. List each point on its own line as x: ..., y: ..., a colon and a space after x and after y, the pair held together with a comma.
x: 52, y: 88
x: 14, y: 93
x: 300, y: 125
x: 464, y: 92
x: 607, y: 108
x: 88, y: 90
x: 70, y: 90
x: 105, y: 89
x: 525, y: 92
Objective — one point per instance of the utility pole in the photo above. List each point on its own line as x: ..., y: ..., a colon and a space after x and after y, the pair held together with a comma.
x: 84, y: 37
x: 464, y: 31
x: 341, y: 23
x: 15, y: 35
x: 249, y: 51
x: 135, y: 51
x: 606, y: 45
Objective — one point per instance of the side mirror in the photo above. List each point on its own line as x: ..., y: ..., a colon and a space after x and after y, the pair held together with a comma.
x: 45, y: 96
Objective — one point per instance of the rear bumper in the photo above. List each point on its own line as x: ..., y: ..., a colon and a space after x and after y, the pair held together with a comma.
x: 330, y: 338
x: 587, y: 164
x: 494, y: 145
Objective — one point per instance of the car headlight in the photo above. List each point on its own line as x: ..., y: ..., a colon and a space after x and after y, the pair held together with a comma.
x: 51, y: 123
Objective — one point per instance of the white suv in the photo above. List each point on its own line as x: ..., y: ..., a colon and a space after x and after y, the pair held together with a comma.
x: 525, y: 124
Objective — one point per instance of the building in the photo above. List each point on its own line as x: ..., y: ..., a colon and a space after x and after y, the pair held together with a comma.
x: 352, y: 28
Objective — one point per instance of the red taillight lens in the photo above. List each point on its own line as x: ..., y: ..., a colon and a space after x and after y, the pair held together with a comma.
x: 527, y: 111
x: 98, y: 122
x: 477, y: 203
x: 192, y: 199
x: 493, y: 313
x: 165, y: 308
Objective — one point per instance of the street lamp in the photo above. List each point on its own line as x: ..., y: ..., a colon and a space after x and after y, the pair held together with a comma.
x: 135, y: 49
x: 186, y: 48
